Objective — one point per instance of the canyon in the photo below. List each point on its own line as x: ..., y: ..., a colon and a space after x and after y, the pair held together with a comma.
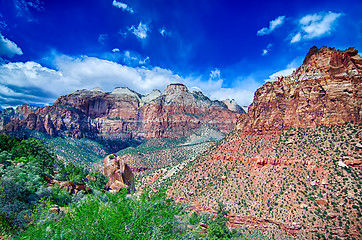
x: 290, y: 165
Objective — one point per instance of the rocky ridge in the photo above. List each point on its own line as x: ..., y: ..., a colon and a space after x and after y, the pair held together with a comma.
x: 20, y: 112
x: 125, y: 114
x: 325, y: 90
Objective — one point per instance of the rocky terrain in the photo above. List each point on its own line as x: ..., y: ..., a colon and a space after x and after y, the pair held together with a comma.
x: 125, y: 114
x: 292, y: 163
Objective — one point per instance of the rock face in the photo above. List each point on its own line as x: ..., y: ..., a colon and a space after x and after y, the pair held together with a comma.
x: 21, y: 112
x: 119, y: 174
x: 325, y: 90
x: 125, y: 114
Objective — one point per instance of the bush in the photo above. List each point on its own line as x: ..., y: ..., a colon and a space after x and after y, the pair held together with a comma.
x: 120, y: 217
x: 194, y: 219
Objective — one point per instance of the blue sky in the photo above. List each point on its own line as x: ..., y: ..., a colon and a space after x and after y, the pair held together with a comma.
x: 227, y: 49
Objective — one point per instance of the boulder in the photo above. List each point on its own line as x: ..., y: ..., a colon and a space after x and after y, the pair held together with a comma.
x: 119, y: 174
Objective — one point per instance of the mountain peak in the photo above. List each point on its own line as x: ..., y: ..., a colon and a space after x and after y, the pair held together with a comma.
x: 175, y: 88
x: 324, y: 90
x: 327, y: 62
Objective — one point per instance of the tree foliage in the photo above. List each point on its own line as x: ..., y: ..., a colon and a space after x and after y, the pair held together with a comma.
x: 23, y: 163
x: 218, y: 228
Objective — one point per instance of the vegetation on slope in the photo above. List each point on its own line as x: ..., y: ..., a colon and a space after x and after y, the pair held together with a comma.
x: 299, y: 179
x: 30, y: 208
x: 23, y: 165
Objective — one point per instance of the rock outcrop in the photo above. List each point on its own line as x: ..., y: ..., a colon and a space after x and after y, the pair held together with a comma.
x: 71, y: 187
x: 119, y: 173
x: 325, y: 90
x: 125, y: 114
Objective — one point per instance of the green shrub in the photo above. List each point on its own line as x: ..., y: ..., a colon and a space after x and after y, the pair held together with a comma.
x: 116, y: 217
x: 218, y: 228
x: 194, y: 218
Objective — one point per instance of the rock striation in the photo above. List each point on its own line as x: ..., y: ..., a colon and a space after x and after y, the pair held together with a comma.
x: 125, y: 114
x: 325, y: 90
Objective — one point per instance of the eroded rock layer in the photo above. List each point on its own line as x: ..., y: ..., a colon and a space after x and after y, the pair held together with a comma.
x: 125, y: 114
x: 325, y: 90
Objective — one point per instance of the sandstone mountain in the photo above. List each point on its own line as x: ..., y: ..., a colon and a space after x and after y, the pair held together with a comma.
x: 294, y: 162
x: 124, y: 114
x: 325, y: 90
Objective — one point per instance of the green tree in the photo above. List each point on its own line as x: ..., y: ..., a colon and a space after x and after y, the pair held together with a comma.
x: 218, y: 229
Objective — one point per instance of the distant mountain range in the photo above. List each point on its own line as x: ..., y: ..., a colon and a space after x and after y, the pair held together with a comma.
x: 124, y: 114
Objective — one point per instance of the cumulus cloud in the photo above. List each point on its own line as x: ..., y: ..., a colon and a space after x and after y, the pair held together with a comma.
x: 140, y: 31
x: 8, y: 48
x: 315, y: 26
x: 272, y: 26
x: 31, y: 82
x: 122, y: 6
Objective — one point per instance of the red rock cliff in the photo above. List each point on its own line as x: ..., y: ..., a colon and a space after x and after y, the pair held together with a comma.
x: 325, y: 90
x: 125, y: 114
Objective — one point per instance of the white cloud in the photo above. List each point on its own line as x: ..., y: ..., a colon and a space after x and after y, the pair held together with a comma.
x: 122, y: 6
x: 215, y: 74
x: 272, y: 26
x: 115, y: 50
x: 267, y: 49
x: 285, y: 72
x: 140, y: 31
x: 316, y: 26
x: 8, y: 48
x: 134, y: 58
x: 30, y: 82
x: 296, y: 38
x: 164, y: 32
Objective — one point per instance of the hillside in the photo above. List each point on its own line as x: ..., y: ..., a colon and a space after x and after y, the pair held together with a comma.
x: 294, y: 161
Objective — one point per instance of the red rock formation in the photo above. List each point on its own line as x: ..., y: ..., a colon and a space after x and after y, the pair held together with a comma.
x: 21, y: 112
x: 325, y: 90
x: 71, y: 187
x: 125, y: 114
x: 119, y: 174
